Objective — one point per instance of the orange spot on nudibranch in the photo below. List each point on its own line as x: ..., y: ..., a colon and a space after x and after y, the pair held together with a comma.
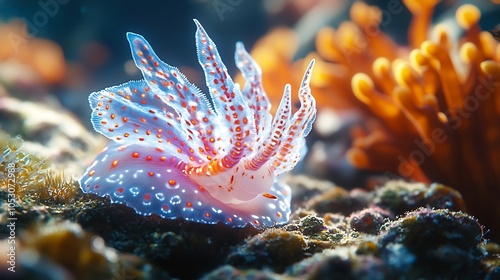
x: 114, y: 163
x: 91, y: 172
x: 189, y: 204
x: 135, y: 155
x: 268, y: 195
x: 172, y: 182
x: 151, y: 174
x: 147, y: 196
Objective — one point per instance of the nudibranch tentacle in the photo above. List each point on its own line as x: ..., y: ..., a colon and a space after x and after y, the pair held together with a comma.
x: 300, y: 126
x: 272, y: 141
x: 253, y: 90
x: 179, y: 153
x: 227, y: 99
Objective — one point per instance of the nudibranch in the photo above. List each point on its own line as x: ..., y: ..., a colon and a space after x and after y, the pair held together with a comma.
x: 178, y: 153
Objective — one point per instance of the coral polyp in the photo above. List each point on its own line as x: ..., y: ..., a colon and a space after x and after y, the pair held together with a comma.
x: 439, y: 112
x: 208, y: 158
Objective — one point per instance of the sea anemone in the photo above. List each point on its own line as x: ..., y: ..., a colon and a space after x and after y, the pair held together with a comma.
x: 437, y: 107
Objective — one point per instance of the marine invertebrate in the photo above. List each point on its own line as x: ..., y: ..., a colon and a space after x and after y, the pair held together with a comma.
x: 177, y: 152
x: 438, y: 112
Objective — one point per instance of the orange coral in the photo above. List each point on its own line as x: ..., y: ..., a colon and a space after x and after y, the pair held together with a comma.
x: 44, y: 57
x: 438, y: 107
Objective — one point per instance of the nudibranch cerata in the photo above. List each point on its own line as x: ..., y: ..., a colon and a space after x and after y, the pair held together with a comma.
x: 179, y: 153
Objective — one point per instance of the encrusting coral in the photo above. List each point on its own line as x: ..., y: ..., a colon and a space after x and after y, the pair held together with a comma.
x: 431, y: 105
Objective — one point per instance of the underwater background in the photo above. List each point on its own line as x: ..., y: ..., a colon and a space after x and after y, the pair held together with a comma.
x: 402, y: 172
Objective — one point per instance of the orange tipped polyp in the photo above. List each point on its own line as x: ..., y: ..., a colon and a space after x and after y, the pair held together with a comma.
x: 364, y: 15
x: 467, y: 15
x: 447, y: 74
x: 469, y: 52
x: 440, y: 32
x: 380, y: 104
x: 405, y: 76
x: 488, y: 44
x: 491, y: 67
x: 418, y: 59
x: 326, y: 46
x: 362, y: 85
x: 381, y: 70
x: 351, y: 40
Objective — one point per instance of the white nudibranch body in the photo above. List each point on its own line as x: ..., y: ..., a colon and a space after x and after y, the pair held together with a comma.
x: 179, y: 153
